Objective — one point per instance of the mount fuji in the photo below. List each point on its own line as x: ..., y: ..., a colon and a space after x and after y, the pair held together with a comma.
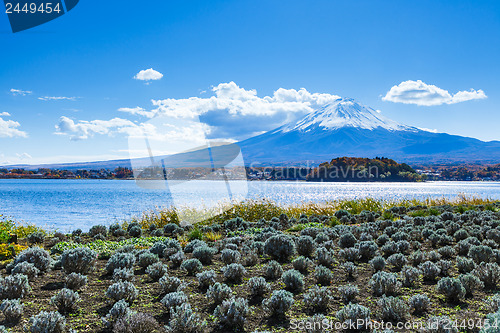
x: 348, y: 128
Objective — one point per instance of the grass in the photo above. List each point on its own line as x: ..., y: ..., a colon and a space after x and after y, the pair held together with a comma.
x: 254, y: 210
x: 106, y: 247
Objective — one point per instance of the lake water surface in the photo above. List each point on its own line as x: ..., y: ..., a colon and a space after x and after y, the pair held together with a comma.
x: 70, y: 204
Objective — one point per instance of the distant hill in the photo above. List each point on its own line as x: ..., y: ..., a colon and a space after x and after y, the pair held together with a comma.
x: 353, y: 169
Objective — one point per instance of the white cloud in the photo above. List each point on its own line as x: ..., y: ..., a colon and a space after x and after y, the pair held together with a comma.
x: 80, y: 130
x: 237, y: 101
x: 18, y: 92
x: 86, y: 129
x: 420, y: 93
x: 57, y: 98
x: 9, y: 129
x: 4, y: 114
x: 148, y: 75
x: 136, y: 110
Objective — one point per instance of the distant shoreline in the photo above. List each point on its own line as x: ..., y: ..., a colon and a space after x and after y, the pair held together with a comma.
x: 272, y: 180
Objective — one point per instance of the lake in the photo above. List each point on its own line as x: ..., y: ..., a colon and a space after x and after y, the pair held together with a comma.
x: 69, y: 204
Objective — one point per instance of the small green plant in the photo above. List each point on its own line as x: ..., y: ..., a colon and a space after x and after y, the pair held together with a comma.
x: 196, y: 233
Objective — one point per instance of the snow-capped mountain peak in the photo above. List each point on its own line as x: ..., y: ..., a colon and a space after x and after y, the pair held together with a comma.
x: 345, y: 112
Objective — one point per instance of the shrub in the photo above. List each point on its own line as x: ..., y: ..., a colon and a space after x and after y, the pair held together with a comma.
x: 66, y: 300
x: 123, y: 274
x: 301, y: 264
x: 279, y: 302
x: 120, y: 260
x: 350, y: 269
x: 279, y: 247
x: 192, y: 266
x: 204, y: 254
x: 293, y: 280
x: 451, y: 288
x: 171, y: 246
x: 122, y: 290
x: 492, y: 319
x: 321, y: 238
x: 136, y: 322
x: 189, y: 248
x: 229, y: 256
x: 156, y: 271
x: 12, y: 309
x: 447, y: 252
x: 378, y: 263
x: 98, y: 230
x: 47, y: 322
x: 349, y: 254
x: 27, y: 269
x: 218, y: 292
x: 465, y: 265
x: 173, y: 299
x: 382, y: 239
x: 470, y: 282
x: 75, y: 281
x: 430, y: 271
x: 36, y: 256
x: 146, y: 259
x: 158, y: 249
x: 14, y: 286
x: 317, y: 299
x: 323, y: 275
x: 416, y: 258
x: 348, y: 293
x: 389, y: 248
x: 393, y: 309
x: 171, y: 229
x: 36, y: 238
x: 419, y: 303
x: 480, y: 253
x: 135, y: 231
x: 444, y: 266
x: 234, y: 272
x: 433, y: 256
x: 80, y: 260
x: 170, y: 284
x: 397, y: 261
x: 367, y: 250
x: 325, y: 257
x: 488, y: 273
x: 354, y: 315
x: 119, y: 310
x: 184, y: 320
x: 305, y: 245
x: 232, y: 312
x: 258, y: 286
x: 493, y: 303
x: 347, y: 240
x: 206, y: 278
x: 177, y: 258
x: 410, y: 276
x: 383, y: 283
x: 273, y: 270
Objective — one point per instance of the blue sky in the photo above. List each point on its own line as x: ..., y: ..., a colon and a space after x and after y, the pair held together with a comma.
x: 220, y: 51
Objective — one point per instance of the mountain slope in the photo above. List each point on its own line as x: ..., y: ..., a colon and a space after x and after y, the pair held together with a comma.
x: 347, y: 128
